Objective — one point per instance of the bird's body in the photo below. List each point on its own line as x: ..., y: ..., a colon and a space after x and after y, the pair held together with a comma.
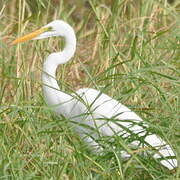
x: 92, y: 113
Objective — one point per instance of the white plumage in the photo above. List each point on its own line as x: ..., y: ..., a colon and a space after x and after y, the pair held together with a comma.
x: 104, y: 115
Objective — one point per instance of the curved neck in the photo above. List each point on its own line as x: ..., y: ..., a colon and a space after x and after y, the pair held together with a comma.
x: 52, y: 93
x: 69, y: 49
x: 55, y: 59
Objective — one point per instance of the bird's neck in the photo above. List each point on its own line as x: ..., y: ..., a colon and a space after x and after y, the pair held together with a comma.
x: 51, y: 89
x: 52, y: 93
x: 69, y: 48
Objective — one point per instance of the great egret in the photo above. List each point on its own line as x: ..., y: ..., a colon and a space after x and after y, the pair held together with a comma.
x: 95, y: 114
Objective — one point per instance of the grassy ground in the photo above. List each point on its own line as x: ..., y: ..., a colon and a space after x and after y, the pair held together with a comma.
x: 129, y: 47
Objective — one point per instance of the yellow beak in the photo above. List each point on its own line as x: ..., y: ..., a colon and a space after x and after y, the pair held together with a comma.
x: 30, y: 36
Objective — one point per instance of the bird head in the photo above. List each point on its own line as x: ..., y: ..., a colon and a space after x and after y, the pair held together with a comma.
x: 54, y: 28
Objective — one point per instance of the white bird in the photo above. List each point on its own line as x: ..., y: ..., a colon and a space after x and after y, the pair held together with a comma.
x: 93, y: 114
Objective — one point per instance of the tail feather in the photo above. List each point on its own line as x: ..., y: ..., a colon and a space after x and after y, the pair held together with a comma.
x: 163, y: 151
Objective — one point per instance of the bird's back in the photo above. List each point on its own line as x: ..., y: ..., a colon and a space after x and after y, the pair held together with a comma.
x: 112, y: 118
x: 110, y: 115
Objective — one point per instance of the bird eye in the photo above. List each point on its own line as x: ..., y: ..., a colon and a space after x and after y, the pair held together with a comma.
x: 49, y: 28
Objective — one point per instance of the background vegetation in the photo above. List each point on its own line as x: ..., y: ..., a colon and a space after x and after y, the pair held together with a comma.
x: 129, y: 49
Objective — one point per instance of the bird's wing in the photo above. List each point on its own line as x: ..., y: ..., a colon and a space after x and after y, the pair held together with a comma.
x: 104, y: 108
x: 125, y: 123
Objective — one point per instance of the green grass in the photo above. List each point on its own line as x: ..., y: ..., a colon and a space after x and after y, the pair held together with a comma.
x: 128, y: 50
